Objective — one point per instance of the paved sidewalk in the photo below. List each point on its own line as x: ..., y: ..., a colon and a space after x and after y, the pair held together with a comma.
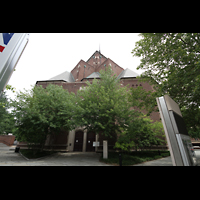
x: 10, y: 158
x: 160, y: 162
x: 167, y: 161
x: 72, y: 159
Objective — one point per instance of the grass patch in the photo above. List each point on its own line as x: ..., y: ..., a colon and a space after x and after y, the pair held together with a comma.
x: 133, y: 157
x: 32, y: 154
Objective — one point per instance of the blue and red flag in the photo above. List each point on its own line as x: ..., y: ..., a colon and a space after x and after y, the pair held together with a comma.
x: 4, y: 40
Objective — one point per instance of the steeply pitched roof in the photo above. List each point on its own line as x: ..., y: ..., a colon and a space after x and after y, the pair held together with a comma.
x: 127, y: 73
x: 94, y: 75
x: 93, y: 55
x: 65, y: 76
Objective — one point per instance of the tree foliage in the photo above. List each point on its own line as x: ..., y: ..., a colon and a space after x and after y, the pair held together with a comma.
x: 41, y: 112
x: 7, y: 122
x: 107, y: 108
x: 140, y: 133
x: 104, y: 104
x: 143, y: 100
x: 103, y: 107
x: 172, y: 61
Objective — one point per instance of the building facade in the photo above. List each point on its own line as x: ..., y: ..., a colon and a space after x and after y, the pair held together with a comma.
x: 79, y: 139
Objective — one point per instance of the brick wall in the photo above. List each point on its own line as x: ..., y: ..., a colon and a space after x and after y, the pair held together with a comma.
x: 7, y: 139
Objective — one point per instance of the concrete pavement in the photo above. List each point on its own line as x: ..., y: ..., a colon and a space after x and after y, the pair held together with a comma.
x: 167, y: 161
x: 160, y: 162
x: 9, y: 158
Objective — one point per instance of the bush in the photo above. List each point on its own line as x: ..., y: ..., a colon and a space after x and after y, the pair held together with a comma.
x: 135, y: 157
x: 141, y: 132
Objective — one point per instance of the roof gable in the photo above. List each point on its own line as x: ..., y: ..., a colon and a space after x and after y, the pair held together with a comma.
x: 65, y: 76
x: 94, y: 54
x: 94, y: 75
x: 127, y: 73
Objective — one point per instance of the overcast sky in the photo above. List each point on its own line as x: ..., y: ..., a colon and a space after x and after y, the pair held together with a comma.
x: 49, y: 54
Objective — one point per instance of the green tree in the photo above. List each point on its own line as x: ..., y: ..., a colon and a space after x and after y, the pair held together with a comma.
x: 104, y: 105
x: 39, y: 113
x: 140, y: 133
x: 7, y: 122
x: 143, y: 100
x: 107, y: 108
x: 172, y: 61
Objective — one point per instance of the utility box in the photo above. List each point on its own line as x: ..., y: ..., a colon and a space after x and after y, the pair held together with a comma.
x: 179, y: 142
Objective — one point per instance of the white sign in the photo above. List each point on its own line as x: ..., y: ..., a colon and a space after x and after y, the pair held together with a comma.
x: 95, y: 144
x: 11, y: 48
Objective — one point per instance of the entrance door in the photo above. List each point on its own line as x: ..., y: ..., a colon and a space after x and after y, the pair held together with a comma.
x: 90, y: 140
x: 78, y: 142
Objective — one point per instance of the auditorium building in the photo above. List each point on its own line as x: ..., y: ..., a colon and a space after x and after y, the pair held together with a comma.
x: 79, y: 139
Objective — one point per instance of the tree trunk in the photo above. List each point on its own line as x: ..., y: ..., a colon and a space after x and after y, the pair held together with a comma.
x: 43, y: 142
x: 136, y: 148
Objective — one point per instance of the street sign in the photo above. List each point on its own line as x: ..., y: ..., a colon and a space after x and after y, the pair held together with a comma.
x: 12, y: 46
x: 178, y: 140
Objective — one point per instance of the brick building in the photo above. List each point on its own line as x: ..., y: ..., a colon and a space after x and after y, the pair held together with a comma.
x: 79, y: 139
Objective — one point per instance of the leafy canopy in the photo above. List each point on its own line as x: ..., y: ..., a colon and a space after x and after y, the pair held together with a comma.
x: 172, y: 61
x: 7, y: 122
x: 107, y: 108
x: 39, y: 112
x: 140, y: 133
x: 104, y: 104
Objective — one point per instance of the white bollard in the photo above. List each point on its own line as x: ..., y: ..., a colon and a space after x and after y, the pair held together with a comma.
x: 105, y: 149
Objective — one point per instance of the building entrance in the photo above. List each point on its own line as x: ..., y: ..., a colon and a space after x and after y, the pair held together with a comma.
x: 78, y: 142
x: 90, y: 139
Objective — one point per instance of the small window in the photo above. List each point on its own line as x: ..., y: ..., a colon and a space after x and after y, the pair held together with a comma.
x: 85, y: 66
x: 104, y: 65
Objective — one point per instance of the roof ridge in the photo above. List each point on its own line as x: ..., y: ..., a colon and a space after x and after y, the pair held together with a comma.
x: 84, y: 62
x: 107, y: 60
x: 122, y: 74
x: 65, y: 76
x: 94, y: 53
x: 58, y: 75
x: 116, y: 63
